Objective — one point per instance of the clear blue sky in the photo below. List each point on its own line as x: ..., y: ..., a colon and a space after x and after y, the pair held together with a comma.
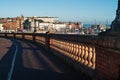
x: 66, y: 10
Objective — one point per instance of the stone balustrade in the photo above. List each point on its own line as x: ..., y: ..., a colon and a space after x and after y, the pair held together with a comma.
x: 97, y: 56
x: 78, y: 50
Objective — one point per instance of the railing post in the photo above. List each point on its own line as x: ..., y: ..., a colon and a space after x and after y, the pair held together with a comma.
x: 14, y: 35
x: 23, y: 36
x: 5, y: 34
x: 33, y: 36
x: 47, y: 41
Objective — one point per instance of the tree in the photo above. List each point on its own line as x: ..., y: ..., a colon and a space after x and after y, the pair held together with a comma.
x: 26, y: 24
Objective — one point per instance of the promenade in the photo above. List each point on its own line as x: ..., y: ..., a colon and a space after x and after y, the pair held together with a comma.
x: 22, y: 60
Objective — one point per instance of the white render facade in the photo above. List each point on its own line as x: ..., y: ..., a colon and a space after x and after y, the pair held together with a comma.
x: 1, y: 27
x: 51, y: 24
x: 47, y: 19
x: 47, y: 24
x: 59, y: 26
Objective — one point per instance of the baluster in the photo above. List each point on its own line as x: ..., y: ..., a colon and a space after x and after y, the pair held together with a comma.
x: 74, y: 48
x: 58, y: 44
x: 93, y: 58
x: 77, y: 48
x: 82, y: 54
x: 90, y: 57
x: 61, y: 49
x: 55, y: 43
x: 61, y: 44
x: 69, y: 49
x: 79, y: 53
x: 72, y: 51
x: 86, y: 55
x: 66, y: 45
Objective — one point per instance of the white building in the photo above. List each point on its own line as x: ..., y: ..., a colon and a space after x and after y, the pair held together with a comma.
x: 1, y: 27
x: 47, y: 19
x: 45, y: 26
x: 41, y: 23
x: 59, y: 26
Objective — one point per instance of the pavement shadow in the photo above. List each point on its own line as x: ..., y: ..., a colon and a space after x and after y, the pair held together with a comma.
x: 5, y: 61
x: 33, y: 63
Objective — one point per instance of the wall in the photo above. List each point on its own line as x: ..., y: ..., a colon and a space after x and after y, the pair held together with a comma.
x: 97, y: 56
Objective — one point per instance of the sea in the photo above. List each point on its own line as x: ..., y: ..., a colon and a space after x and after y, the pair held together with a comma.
x: 89, y: 25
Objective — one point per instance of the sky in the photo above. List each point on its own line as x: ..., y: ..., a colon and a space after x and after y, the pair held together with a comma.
x: 86, y: 11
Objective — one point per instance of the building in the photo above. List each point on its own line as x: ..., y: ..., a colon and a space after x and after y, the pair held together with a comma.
x: 49, y: 19
x: 1, y: 27
x: 37, y: 24
x: 74, y: 27
x: 59, y: 27
x: 12, y: 24
x: 45, y: 19
x: 51, y: 24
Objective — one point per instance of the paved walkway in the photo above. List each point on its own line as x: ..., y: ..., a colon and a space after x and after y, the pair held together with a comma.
x: 29, y: 62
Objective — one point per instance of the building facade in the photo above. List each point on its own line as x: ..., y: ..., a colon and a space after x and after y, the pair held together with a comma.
x: 43, y: 24
x: 1, y: 27
x: 12, y: 24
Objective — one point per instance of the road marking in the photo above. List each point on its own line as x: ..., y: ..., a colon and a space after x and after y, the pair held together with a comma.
x: 13, y: 64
